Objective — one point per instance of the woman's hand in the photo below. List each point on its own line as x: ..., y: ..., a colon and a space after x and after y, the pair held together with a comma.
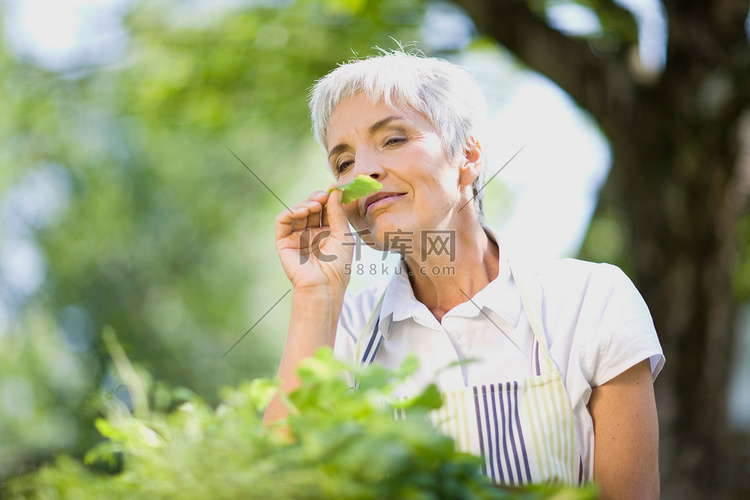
x: 314, y: 245
x: 314, y: 242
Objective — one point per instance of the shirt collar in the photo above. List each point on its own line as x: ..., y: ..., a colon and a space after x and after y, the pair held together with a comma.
x: 499, y: 296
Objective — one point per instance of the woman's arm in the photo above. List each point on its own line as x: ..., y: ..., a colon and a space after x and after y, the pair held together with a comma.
x: 314, y: 246
x: 626, y: 430
x: 315, y: 315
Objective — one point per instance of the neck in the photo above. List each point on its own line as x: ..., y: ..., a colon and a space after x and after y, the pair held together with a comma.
x: 442, y: 281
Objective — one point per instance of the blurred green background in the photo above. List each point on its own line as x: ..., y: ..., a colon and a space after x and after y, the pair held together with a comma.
x: 122, y: 203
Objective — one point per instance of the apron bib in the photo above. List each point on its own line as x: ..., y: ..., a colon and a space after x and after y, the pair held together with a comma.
x: 523, y: 429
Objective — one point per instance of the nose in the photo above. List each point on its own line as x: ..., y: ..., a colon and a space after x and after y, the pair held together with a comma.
x: 367, y: 163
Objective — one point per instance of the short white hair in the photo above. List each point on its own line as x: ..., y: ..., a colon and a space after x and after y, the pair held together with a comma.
x: 445, y: 93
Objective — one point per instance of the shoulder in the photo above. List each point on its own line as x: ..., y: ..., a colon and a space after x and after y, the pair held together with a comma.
x: 589, y: 288
x: 566, y: 272
x: 608, y: 321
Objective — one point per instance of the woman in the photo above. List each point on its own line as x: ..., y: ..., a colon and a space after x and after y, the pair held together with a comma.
x: 562, y: 358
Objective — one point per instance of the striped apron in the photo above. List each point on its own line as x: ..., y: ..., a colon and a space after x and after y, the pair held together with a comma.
x: 522, y: 429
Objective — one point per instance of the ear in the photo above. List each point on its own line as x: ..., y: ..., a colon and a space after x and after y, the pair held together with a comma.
x: 472, y: 162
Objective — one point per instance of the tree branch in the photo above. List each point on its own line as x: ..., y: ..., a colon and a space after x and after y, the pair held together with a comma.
x: 600, y: 84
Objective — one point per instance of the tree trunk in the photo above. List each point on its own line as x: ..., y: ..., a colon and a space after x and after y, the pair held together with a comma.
x: 682, y: 206
x: 678, y: 176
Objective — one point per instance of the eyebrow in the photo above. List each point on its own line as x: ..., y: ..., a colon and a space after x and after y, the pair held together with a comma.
x: 372, y: 130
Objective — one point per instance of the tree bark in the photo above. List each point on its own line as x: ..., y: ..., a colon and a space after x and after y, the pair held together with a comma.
x: 677, y: 175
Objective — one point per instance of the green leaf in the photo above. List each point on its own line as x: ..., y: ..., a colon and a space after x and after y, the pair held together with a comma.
x: 429, y: 399
x: 109, y: 431
x: 103, y: 452
x: 359, y: 187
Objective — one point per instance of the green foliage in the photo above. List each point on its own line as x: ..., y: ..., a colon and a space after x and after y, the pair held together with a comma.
x: 359, y: 187
x: 43, y: 385
x: 162, y: 233
x: 336, y: 443
x: 608, y: 238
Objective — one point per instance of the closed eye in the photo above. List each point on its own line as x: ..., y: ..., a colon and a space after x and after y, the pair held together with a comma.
x: 394, y: 140
x: 343, y: 166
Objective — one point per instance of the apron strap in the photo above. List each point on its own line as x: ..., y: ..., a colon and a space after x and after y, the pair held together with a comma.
x: 371, y: 336
x: 532, y: 297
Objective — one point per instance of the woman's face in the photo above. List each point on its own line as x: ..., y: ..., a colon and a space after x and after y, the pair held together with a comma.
x: 422, y: 187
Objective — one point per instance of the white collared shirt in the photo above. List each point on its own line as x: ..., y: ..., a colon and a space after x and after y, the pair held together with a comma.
x: 597, y: 326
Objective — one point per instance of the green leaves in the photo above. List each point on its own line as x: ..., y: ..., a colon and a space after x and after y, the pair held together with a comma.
x: 336, y: 443
x: 356, y: 189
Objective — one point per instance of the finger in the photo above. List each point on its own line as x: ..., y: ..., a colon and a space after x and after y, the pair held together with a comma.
x: 285, y: 222
x: 319, y: 196
x: 315, y: 202
x: 315, y: 214
x: 335, y: 211
x: 309, y: 215
x: 301, y: 223
x: 283, y: 227
x: 324, y: 213
x: 295, y: 212
x: 295, y: 218
x: 298, y: 217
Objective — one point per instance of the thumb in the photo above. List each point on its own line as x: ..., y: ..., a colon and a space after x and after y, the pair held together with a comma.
x: 335, y: 211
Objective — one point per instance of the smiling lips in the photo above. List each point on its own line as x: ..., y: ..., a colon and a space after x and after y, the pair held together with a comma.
x: 377, y: 197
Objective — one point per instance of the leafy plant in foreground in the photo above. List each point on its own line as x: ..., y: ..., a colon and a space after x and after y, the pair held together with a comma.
x: 335, y: 444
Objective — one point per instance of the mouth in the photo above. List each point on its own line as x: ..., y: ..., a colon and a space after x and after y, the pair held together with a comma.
x: 378, y: 199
